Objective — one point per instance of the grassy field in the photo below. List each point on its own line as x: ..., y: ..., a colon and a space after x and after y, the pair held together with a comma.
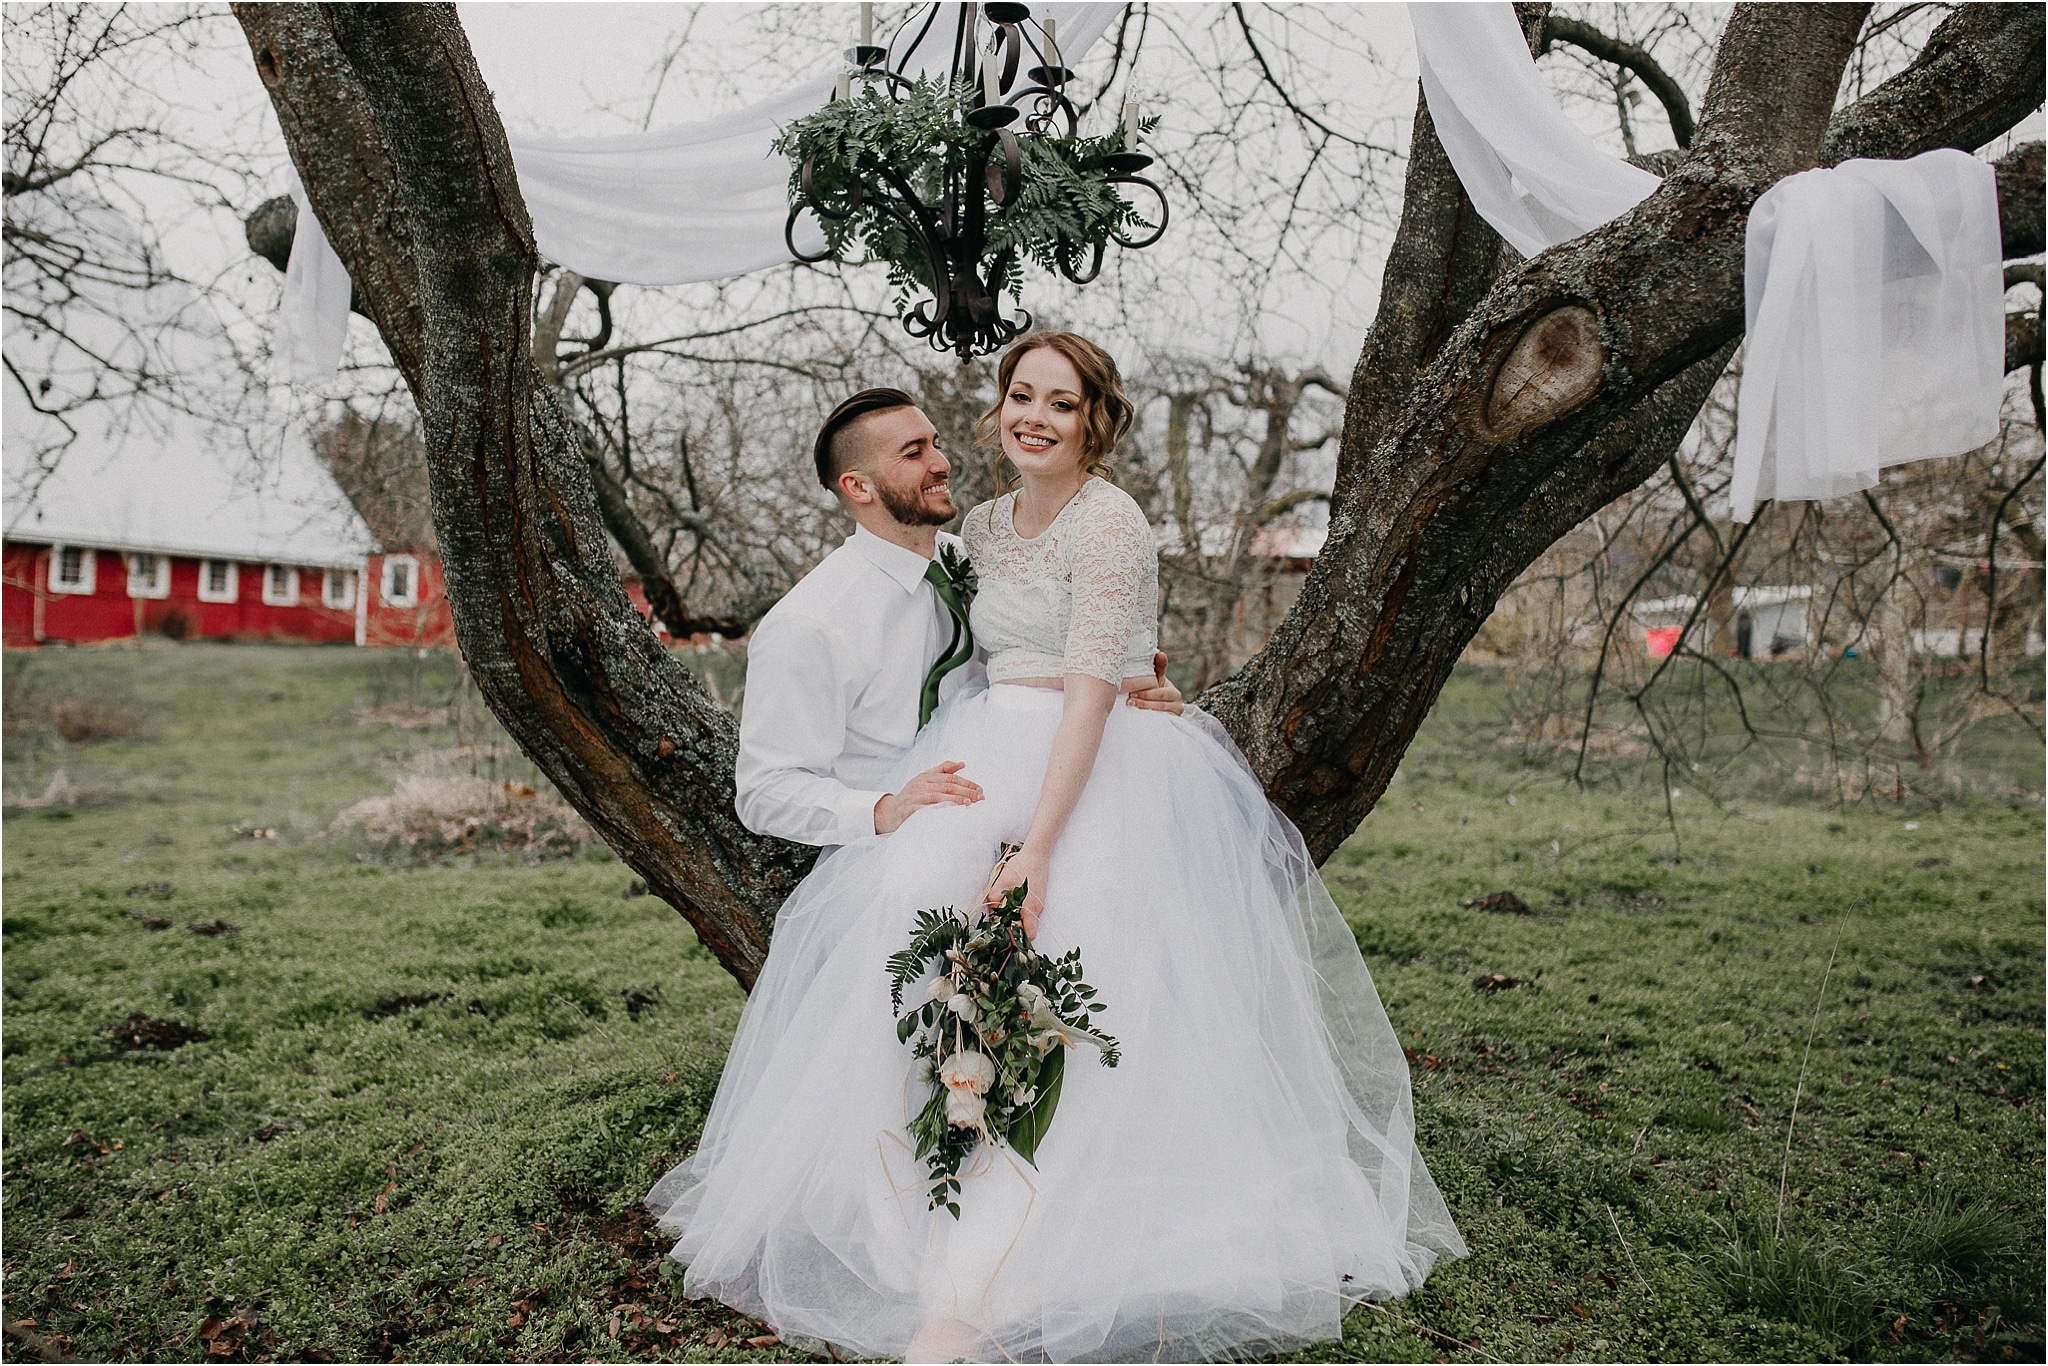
x: 428, y: 1092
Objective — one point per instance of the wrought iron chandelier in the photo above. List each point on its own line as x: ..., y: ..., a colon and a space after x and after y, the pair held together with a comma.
x: 1007, y: 68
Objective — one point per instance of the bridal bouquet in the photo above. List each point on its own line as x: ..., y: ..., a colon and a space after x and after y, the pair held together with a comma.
x: 992, y: 1034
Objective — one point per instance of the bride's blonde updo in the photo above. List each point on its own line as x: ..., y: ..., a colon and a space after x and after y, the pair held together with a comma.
x: 1106, y: 411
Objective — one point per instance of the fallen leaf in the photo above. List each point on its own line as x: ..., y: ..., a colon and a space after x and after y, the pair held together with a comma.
x: 767, y: 1340
x: 1495, y: 981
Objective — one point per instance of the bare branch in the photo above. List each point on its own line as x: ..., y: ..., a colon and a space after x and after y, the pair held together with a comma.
x: 1559, y: 29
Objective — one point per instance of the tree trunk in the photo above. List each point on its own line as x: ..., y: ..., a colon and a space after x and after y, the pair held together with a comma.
x: 1497, y: 404
x: 394, y: 134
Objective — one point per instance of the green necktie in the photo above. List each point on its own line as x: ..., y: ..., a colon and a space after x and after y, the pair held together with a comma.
x: 958, y: 650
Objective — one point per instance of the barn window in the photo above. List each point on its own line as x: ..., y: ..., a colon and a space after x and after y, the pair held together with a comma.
x: 71, y: 569
x: 338, y: 588
x: 280, y: 586
x: 149, y: 576
x: 218, y: 580
x: 401, y: 586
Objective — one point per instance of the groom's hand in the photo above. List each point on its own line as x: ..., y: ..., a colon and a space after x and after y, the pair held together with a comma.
x: 929, y: 788
x: 1162, y: 695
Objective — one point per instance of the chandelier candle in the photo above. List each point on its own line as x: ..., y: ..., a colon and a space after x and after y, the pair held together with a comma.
x: 867, y: 24
x: 1130, y: 125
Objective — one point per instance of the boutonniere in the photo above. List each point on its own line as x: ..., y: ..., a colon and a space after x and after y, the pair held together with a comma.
x: 958, y: 571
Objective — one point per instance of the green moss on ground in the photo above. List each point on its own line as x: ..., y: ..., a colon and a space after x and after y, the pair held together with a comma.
x: 430, y: 1094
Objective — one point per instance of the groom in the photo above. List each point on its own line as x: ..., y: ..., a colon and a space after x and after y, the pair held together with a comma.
x: 846, y: 669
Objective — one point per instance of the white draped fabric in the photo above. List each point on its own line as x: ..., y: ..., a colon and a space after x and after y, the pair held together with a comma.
x: 1527, y: 168
x: 698, y: 201
x: 1874, y: 296
x: 313, y: 321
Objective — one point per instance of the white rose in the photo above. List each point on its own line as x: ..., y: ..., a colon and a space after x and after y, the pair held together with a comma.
x: 964, y: 1109
x: 968, y: 1071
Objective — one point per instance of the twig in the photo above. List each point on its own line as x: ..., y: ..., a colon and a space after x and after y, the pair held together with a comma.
x: 1785, y: 1171
x: 1626, y: 1253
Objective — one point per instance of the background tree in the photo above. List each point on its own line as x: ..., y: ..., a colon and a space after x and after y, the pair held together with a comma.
x: 100, y: 167
x: 1497, y: 404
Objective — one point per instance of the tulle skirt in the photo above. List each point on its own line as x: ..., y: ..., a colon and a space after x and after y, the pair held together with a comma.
x: 1246, y: 1174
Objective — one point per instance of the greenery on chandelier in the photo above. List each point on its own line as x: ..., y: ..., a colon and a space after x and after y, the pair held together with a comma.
x: 1063, y: 212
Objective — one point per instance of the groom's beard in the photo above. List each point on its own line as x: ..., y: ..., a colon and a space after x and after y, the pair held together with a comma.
x: 916, y: 509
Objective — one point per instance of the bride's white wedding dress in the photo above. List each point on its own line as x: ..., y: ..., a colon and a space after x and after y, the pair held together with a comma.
x: 1244, y: 1175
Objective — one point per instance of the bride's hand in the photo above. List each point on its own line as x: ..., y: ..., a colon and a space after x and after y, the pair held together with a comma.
x: 1162, y: 695
x: 1024, y: 867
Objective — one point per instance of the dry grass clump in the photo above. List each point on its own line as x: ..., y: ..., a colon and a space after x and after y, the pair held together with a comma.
x: 438, y: 816
x: 79, y: 717
x: 403, y: 716
x: 63, y: 793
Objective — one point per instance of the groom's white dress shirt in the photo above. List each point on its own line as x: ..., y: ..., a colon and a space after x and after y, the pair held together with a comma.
x: 834, y: 672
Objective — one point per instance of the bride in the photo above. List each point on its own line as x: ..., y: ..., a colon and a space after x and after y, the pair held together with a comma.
x: 1246, y: 1174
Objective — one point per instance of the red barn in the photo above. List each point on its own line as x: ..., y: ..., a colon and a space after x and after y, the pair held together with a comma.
x: 177, y: 537
x: 168, y: 533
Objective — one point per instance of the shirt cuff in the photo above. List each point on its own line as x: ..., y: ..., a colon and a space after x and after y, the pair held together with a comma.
x: 854, y: 815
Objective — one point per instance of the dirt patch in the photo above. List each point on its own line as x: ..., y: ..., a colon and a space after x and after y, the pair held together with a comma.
x: 138, y: 1031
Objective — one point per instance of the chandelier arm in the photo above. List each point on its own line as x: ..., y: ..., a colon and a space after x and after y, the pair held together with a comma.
x: 1004, y: 183
x: 1094, y: 268
x: 1139, y: 243
x: 806, y: 178
x: 931, y: 15
x: 942, y: 292
x: 789, y: 240
x: 1046, y: 95
x: 1012, y: 55
x: 928, y: 226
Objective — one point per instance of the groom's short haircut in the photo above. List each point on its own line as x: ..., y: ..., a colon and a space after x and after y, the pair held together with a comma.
x: 830, y: 449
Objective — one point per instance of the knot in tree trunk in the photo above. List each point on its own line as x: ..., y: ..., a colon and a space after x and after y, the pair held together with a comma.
x: 1553, y: 367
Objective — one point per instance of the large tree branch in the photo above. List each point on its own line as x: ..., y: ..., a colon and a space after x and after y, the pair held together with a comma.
x: 1669, y: 93
x: 395, y: 136
x: 1979, y: 74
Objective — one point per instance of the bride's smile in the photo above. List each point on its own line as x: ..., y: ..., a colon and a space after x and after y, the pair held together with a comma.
x: 1042, y: 434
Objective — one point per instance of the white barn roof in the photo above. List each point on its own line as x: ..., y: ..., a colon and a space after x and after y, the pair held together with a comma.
x: 177, y: 489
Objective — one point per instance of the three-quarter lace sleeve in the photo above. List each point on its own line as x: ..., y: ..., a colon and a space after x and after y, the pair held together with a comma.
x: 1115, y: 586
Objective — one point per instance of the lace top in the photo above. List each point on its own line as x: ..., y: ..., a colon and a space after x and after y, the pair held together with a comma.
x: 1081, y: 597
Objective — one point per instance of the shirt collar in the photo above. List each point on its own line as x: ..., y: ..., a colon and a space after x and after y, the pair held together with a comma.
x: 906, y: 567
